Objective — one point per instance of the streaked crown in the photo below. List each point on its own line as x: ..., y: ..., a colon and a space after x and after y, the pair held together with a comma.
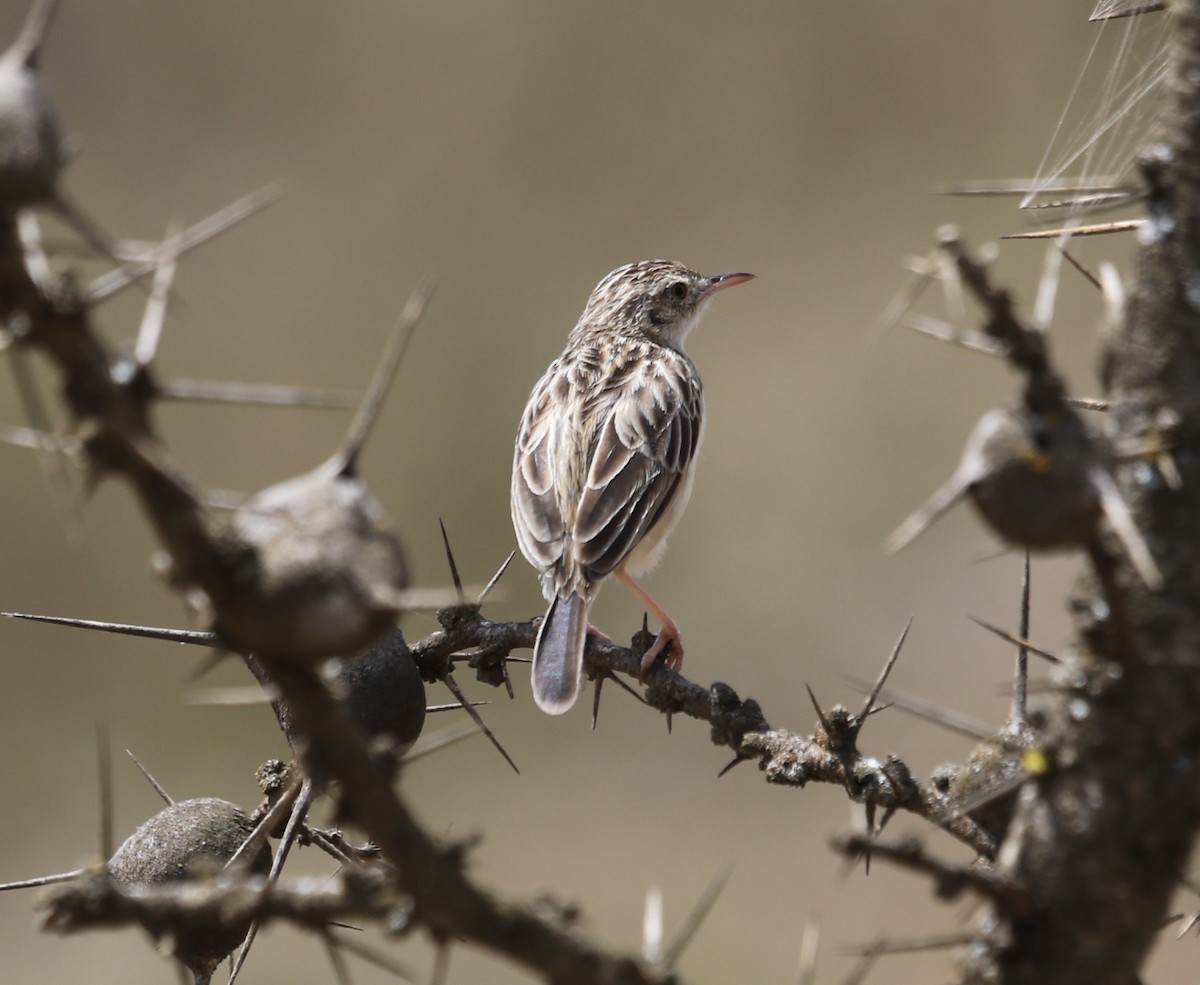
x: 657, y: 299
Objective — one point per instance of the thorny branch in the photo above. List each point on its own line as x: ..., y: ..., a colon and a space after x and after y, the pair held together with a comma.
x: 1099, y: 838
x: 950, y: 880
x: 121, y: 442
x: 788, y: 758
x: 94, y: 900
x: 829, y: 755
x: 113, y: 415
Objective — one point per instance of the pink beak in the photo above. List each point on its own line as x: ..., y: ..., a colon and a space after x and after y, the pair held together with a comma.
x: 718, y: 282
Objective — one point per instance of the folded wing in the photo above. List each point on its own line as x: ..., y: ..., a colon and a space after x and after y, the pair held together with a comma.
x: 641, y: 454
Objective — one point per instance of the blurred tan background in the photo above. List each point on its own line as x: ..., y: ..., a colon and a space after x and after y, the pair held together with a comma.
x: 521, y: 151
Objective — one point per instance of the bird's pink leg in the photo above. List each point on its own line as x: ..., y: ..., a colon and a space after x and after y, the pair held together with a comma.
x: 668, y: 634
x: 602, y: 636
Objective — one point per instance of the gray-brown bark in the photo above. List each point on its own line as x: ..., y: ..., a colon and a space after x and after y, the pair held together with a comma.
x: 1102, y: 838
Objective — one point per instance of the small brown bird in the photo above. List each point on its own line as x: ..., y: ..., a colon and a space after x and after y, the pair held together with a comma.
x: 605, y: 457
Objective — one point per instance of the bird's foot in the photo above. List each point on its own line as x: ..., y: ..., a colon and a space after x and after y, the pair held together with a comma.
x: 669, y: 641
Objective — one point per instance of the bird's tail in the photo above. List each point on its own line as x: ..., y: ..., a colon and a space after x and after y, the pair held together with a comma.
x: 558, y: 654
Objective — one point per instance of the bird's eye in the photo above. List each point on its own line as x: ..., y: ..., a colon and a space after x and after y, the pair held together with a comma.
x: 678, y: 290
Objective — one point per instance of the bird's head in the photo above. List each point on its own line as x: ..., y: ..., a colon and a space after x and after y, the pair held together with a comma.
x: 657, y: 299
